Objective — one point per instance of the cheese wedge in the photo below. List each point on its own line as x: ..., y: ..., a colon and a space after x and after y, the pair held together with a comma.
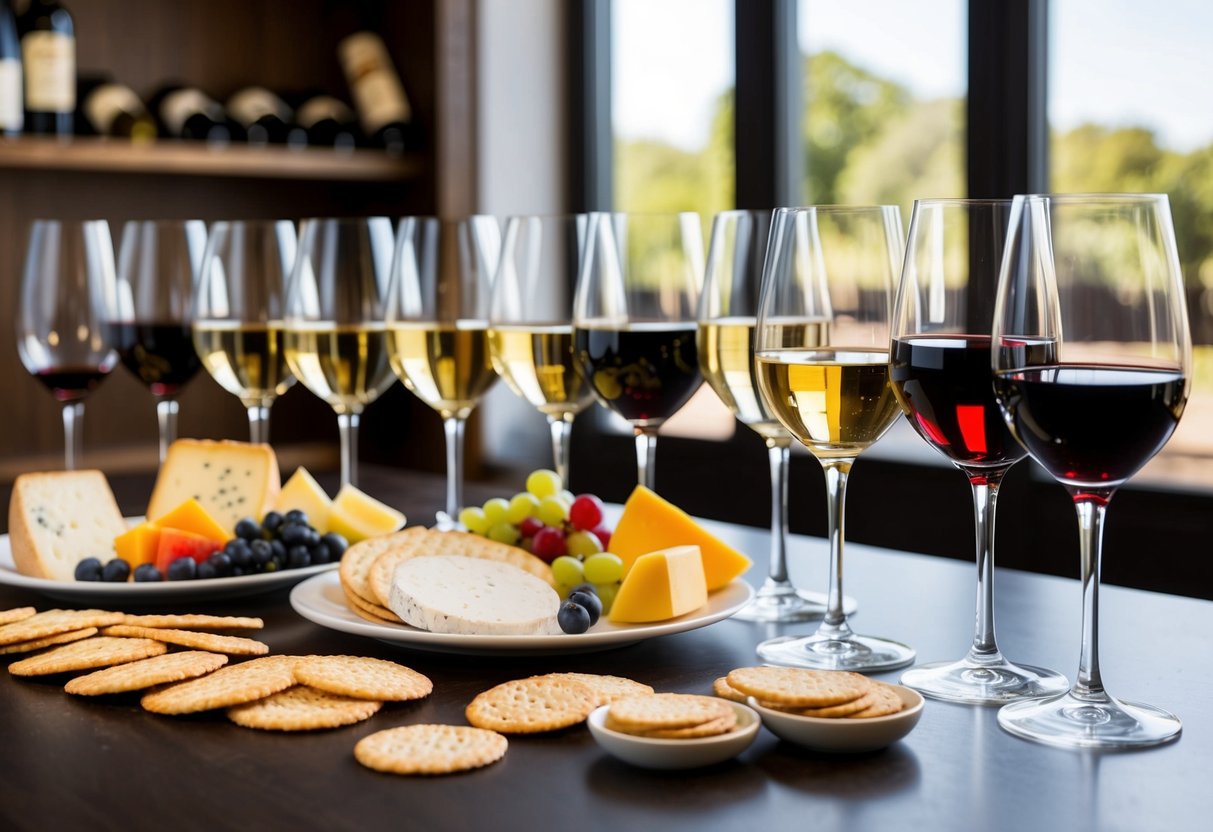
x: 650, y: 523
x: 661, y: 585
x: 191, y: 517
x: 302, y: 492
x: 231, y: 480
x: 57, y: 519
x: 138, y: 545
x: 356, y: 515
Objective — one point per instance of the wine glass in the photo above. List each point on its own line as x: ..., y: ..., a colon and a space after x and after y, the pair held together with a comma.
x: 634, y: 320
x: 61, y: 336
x: 1097, y: 279
x: 149, y: 314
x: 940, y: 370
x: 238, y: 314
x: 531, y: 320
x: 822, y: 355
x: 333, y: 331
x: 728, y: 310
x: 438, y: 317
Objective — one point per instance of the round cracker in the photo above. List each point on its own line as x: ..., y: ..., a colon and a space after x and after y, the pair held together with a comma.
x: 143, y: 674
x: 798, y: 687
x: 195, y: 621
x: 708, y: 729
x: 430, y: 749
x: 227, y: 686
x: 829, y: 711
x: 49, y: 641
x: 53, y: 622
x: 886, y: 702
x: 98, y: 651
x: 724, y: 690
x: 665, y: 711
x: 362, y: 678
x: 211, y: 642
x: 607, y: 688
x: 371, y: 612
x: 357, y: 561
x: 533, y: 705
x: 302, y: 709
x: 16, y: 614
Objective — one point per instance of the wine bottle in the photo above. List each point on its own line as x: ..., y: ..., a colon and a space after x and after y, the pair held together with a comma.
x: 48, y: 49
x: 379, y: 96
x: 115, y: 110
x: 188, y: 113
x: 328, y: 122
x: 265, y: 117
x: 12, y: 95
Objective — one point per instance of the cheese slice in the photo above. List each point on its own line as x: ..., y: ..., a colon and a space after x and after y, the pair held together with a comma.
x: 470, y: 596
x: 190, y: 516
x: 661, y: 585
x: 356, y: 515
x: 57, y: 519
x: 231, y: 480
x: 650, y: 523
x: 304, y: 493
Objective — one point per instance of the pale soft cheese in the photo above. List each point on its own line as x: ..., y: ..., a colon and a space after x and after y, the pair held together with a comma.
x: 471, y: 596
x: 57, y: 519
x: 232, y: 480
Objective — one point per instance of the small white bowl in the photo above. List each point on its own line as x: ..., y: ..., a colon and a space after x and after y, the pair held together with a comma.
x: 842, y: 735
x: 648, y: 752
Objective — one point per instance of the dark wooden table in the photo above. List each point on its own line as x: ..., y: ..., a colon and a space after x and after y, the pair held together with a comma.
x: 72, y: 763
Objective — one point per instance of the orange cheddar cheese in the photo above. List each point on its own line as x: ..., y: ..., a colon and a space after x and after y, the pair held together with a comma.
x: 650, y: 523
x: 138, y: 545
x: 661, y: 585
x: 190, y: 516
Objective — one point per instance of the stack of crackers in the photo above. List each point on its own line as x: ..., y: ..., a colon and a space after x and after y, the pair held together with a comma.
x: 829, y: 694
x: 671, y: 716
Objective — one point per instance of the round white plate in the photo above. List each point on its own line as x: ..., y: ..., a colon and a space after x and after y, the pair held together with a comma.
x: 321, y: 600
x: 202, y: 589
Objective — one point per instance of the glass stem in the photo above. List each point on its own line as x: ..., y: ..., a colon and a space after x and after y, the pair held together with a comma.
x: 347, y: 426
x: 778, y: 453
x: 561, y: 428
x: 259, y: 423
x: 453, y: 426
x: 646, y: 457
x: 836, y: 470
x: 1090, y: 509
x: 985, y: 497
x: 166, y: 415
x: 73, y: 434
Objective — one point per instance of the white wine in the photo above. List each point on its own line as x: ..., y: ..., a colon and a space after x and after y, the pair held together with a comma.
x: 346, y: 365
x: 537, y: 363
x: 836, y: 401
x: 446, y: 366
x: 726, y: 356
x: 247, y: 359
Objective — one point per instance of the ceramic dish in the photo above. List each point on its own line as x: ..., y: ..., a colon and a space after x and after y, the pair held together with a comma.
x: 647, y: 752
x: 845, y: 736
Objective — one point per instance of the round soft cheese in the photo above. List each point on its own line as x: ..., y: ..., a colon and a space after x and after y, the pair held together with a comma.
x: 471, y: 596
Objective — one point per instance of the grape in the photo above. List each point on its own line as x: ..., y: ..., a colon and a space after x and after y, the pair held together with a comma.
x: 606, y: 594
x: 566, y: 497
x: 522, y: 506
x: 603, y: 568
x: 475, y: 521
x: 573, y: 618
x: 567, y: 570
x: 529, y: 526
x: 583, y: 544
x: 551, y: 511
x: 544, y: 483
x: 604, y: 536
x: 548, y: 544
x: 504, y: 533
x: 586, y: 512
x: 494, y: 511
x: 591, y: 602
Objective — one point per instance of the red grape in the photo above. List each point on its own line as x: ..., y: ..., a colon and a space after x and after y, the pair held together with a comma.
x: 530, y: 526
x: 586, y: 512
x: 548, y: 544
x: 604, y: 537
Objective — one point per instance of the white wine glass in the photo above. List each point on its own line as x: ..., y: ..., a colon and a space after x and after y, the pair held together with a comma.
x: 531, y: 320
x: 438, y: 320
x: 1098, y: 278
x: 822, y: 356
x: 62, y: 338
x: 333, y: 331
x: 238, y: 313
x: 634, y: 320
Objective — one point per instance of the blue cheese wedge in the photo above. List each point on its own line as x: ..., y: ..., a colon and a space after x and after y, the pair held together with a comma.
x: 471, y: 596
x: 58, y: 518
x: 231, y: 480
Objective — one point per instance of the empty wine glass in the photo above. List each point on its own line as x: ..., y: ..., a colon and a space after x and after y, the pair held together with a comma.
x: 61, y: 334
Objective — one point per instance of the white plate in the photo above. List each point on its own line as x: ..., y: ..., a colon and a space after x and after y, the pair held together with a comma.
x: 845, y: 736
x: 154, y: 592
x: 321, y: 600
x: 648, y: 752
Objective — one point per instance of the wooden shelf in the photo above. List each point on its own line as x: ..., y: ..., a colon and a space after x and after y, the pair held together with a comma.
x: 93, y: 155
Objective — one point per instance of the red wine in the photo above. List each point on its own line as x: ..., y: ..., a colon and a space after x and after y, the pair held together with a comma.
x: 1092, y: 426
x: 70, y: 383
x: 945, y: 386
x: 160, y: 354
x: 644, y: 372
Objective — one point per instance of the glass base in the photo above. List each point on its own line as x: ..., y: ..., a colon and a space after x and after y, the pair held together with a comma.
x: 1098, y: 722
x: 863, y: 654
x: 978, y: 683
x: 782, y: 603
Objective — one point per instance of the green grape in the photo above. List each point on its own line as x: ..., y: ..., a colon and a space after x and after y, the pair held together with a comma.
x: 504, y: 533
x: 544, y: 483
x: 522, y: 506
x: 583, y: 544
x: 566, y: 496
x: 606, y: 594
x: 552, y: 512
x: 567, y: 571
x: 603, y: 568
x: 474, y: 519
x: 495, y: 510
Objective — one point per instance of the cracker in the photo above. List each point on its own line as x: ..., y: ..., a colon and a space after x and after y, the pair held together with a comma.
x: 355, y: 569
x: 362, y: 678
x: 798, y: 687
x: 53, y: 622
x: 606, y: 688
x: 227, y: 686
x: 430, y: 749
x: 302, y: 709
x: 713, y: 728
x: 195, y: 622
x: 829, y: 711
x: 724, y: 690
x: 887, y: 702
x: 664, y: 711
x: 99, y: 651
x: 232, y: 645
x: 158, y: 670
x: 369, y: 610
x: 527, y: 706
x: 16, y: 614
x: 49, y: 641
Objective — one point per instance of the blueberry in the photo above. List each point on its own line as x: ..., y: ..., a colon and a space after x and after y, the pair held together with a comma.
x: 278, y: 551
x: 320, y: 553
x: 311, y: 536
x: 573, y: 618
x: 271, y: 522
x: 182, y: 569
x: 298, y: 557
x: 222, y: 563
x: 591, y: 603
x: 206, y: 569
x: 336, y: 543
x: 586, y: 587
x: 116, y: 571
x: 88, y: 569
x: 293, y: 533
x: 147, y: 572
x: 296, y: 516
x: 237, y: 571
x: 238, y: 550
x: 262, y: 552
x: 248, y: 529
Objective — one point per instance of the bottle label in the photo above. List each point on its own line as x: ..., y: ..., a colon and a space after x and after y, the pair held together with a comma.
x: 178, y: 106
x: 321, y: 107
x: 50, y: 72
x: 11, y: 116
x: 378, y: 94
x: 107, y: 102
x: 253, y: 103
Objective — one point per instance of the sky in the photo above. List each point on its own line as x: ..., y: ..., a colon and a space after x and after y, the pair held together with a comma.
x: 1114, y: 62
